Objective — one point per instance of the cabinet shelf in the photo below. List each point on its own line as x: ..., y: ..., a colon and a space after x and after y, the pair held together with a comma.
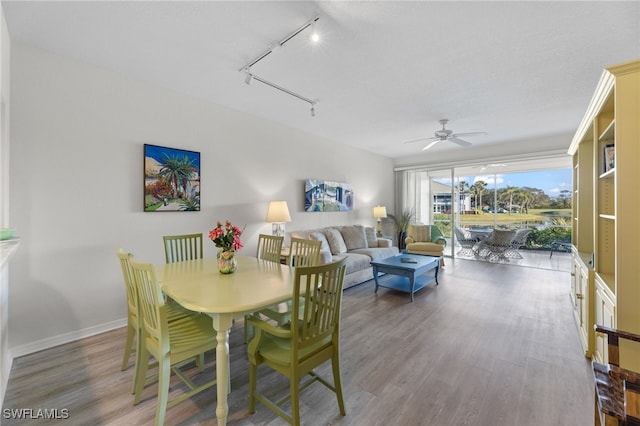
x: 607, y: 216
x: 609, y: 132
x: 609, y: 174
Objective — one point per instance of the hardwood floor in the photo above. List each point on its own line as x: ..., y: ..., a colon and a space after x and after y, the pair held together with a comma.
x: 492, y: 345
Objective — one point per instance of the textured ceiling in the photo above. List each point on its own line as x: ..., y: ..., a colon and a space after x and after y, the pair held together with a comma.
x: 384, y: 72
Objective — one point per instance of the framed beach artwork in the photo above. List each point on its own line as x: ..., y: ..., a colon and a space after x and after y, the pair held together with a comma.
x: 171, y: 179
x: 327, y: 196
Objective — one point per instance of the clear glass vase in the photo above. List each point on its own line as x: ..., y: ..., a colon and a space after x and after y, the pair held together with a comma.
x: 227, y: 262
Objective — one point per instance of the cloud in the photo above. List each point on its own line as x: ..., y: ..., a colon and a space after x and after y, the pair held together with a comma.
x: 490, y: 179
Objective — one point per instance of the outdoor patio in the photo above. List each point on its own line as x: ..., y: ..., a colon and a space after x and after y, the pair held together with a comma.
x: 542, y: 259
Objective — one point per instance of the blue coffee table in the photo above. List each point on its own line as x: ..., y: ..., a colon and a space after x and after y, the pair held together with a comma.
x: 407, y: 272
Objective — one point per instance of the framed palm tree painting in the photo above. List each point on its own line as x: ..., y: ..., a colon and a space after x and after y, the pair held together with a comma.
x: 171, y: 179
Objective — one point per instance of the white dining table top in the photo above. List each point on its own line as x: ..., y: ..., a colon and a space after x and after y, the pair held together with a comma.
x: 199, y: 286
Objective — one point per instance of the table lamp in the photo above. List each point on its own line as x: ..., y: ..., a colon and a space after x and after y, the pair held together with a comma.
x: 278, y: 214
x: 379, y: 212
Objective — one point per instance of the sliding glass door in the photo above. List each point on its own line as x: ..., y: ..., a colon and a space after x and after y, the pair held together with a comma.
x: 478, y: 199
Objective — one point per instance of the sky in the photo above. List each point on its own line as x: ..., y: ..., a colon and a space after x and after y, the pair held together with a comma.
x: 550, y: 181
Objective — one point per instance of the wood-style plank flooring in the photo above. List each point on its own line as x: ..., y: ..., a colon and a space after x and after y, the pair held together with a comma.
x: 491, y: 345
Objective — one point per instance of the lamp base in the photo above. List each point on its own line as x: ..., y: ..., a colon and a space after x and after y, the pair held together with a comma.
x: 277, y: 229
x: 379, y: 230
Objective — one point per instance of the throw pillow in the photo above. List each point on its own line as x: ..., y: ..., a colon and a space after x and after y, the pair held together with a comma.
x: 354, y: 237
x: 319, y: 236
x: 422, y: 233
x: 336, y: 243
x: 372, y: 238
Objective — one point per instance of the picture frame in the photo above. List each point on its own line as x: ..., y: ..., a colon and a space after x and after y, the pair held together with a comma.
x: 325, y: 196
x: 609, y: 157
x: 171, y: 179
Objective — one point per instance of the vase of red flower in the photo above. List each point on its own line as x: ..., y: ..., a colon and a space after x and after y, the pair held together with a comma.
x: 227, y: 262
x: 227, y: 238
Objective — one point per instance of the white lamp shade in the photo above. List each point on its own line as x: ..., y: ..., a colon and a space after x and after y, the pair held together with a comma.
x: 278, y: 212
x: 379, y: 212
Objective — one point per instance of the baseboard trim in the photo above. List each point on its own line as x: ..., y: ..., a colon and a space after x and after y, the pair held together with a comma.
x: 61, y: 339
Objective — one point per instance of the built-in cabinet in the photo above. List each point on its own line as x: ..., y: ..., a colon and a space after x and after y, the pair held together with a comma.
x: 605, y: 286
x: 582, y: 301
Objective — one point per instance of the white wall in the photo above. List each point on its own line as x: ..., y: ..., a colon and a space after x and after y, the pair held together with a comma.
x: 5, y: 63
x: 77, y: 186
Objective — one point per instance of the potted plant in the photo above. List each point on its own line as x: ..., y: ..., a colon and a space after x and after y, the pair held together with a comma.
x: 401, y: 221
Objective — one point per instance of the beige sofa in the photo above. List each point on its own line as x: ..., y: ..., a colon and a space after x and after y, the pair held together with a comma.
x: 358, y: 243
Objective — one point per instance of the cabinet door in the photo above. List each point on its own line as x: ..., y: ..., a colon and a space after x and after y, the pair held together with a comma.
x: 605, y: 315
x: 583, y: 301
x: 575, y: 278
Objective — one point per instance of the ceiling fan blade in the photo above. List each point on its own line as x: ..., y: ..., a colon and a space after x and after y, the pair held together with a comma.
x: 455, y: 135
x: 421, y: 139
x: 460, y: 142
x: 431, y: 144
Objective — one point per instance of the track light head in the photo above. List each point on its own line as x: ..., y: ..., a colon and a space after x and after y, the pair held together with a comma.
x: 248, y: 77
x: 315, y: 36
x: 313, y: 111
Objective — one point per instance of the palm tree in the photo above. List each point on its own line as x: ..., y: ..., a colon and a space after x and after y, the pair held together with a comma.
x: 177, y: 172
x: 476, y: 190
x: 483, y: 188
x: 463, y: 188
x: 508, y: 193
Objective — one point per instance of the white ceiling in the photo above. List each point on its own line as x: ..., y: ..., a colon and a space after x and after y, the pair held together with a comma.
x: 384, y: 72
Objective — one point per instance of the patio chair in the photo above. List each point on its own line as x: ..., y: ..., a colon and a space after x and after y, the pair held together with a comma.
x: 466, y: 241
x: 519, y: 240
x: 493, y: 247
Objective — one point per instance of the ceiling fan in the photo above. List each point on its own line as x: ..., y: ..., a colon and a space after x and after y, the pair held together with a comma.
x: 446, y: 135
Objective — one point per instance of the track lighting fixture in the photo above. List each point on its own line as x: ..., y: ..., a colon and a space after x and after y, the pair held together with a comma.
x: 249, y: 76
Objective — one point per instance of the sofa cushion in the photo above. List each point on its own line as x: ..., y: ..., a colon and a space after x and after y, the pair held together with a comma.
x: 377, y: 253
x: 356, y: 262
x: 372, y: 238
x: 319, y: 236
x: 420, y: 233
x: 354, y: 237
x: 335, y: 240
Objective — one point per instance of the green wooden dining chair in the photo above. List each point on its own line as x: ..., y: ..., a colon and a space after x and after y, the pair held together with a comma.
x: 171, y: 343
x: 174, y: 312
x: 302, y: 253
x: 269, y: 249
x: 297, y: 348
x: 182, y: 247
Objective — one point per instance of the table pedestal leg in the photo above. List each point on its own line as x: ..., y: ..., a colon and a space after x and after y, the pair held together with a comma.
x: 222, y: 325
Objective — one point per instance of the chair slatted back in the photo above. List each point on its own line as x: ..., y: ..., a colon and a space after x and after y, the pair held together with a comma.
x: 132, y: 294
x: 270, y: 247
x: 182, y: 247
x: 304, y: 252
x: 150, y: 302
x: 321, y: 303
